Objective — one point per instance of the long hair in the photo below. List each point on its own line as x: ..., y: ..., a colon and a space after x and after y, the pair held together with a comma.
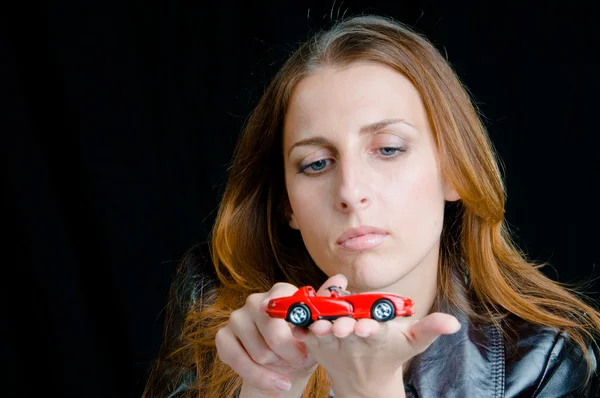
x: 252, y: 245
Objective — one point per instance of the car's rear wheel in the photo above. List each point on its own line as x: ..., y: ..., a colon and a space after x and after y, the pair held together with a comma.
x: 299, y: 315
x: 383, y: 310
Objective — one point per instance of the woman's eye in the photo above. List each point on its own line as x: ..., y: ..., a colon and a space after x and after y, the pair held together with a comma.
x: 314, y: 166
x: 390, y: 150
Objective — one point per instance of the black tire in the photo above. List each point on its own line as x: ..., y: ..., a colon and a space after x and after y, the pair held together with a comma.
x: 299, y: 315
x: 383, y: 310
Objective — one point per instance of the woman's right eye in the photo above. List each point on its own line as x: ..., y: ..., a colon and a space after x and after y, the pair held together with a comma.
x: 314, y: 167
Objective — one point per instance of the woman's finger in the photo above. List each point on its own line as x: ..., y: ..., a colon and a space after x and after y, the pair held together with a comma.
x: 374, y: 330
x: 276, y: 333
x: 343, y: 327
x: 336, y: 280
x: 319, y: 335
x: 231, y: 352
x: 423, y: 333
x: 278, y: 337
x: 246, y: 331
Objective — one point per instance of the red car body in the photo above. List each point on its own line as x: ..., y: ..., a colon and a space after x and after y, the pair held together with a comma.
x: 340, y: 303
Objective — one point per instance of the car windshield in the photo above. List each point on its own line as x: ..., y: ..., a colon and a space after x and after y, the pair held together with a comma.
x: 341, y: 292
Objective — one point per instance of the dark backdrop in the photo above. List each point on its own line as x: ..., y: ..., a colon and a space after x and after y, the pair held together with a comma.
x: 119, y: 123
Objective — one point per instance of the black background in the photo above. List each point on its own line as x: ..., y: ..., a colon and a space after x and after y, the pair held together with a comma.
x: 119, y: 123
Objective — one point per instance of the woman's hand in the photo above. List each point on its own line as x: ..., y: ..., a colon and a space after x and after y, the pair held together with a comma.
x: 263, y: 350
x: 364, y: 357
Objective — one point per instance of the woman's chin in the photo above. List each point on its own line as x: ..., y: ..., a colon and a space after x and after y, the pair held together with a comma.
x: 371, y: 279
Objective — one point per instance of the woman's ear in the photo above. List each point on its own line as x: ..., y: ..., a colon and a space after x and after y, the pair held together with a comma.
x: 292, y: 221
x: 289, y: 214
x: 450, y: 194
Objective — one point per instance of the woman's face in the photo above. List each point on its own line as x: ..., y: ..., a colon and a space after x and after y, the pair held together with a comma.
x: 359, y: 151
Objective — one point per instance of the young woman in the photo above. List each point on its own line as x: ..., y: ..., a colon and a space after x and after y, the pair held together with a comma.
x: 366, y: 166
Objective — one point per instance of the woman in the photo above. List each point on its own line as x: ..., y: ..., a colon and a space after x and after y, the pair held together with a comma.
x: 365, y: 166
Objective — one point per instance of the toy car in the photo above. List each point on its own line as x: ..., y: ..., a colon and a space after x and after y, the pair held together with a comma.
x: 305, y: 307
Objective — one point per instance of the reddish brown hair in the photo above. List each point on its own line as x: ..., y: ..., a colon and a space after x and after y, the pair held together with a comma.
x: 252, y: 246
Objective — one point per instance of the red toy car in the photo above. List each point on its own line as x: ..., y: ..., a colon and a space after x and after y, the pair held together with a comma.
x: 305, y: 307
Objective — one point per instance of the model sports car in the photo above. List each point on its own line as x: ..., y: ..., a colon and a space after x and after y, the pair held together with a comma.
x: 305, y: 307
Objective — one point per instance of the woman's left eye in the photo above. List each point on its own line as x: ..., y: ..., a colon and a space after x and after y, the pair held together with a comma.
x: 390, y: 150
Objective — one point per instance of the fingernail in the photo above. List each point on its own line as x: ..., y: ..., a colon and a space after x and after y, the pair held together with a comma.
x: 283, y: 385
x: 457, y: 327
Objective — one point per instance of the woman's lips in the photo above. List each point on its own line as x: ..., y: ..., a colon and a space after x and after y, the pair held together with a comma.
x: 363, y: 242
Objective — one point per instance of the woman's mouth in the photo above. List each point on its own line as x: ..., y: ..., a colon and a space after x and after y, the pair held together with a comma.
x: 361, y: 238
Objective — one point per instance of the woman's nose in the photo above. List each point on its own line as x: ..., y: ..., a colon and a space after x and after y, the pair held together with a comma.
x: 353, y: 189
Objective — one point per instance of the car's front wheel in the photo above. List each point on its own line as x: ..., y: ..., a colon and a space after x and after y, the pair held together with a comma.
x: 299, y: 315
x: 383, y: 310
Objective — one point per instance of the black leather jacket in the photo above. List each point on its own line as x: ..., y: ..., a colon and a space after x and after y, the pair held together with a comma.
x: 477, y: 361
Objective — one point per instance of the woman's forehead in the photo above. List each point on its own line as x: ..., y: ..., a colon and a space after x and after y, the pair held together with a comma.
x: 346, y: 99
